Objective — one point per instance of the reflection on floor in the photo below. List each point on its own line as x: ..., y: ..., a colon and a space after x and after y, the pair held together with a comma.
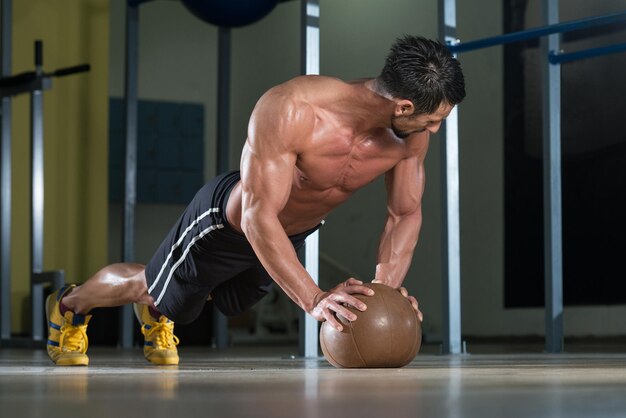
x: 273, y: 382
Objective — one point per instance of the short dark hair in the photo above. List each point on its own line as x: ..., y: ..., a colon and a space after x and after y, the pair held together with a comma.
x: 424, y: 72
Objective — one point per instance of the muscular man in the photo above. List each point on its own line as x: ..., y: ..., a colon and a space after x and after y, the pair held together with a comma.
x: 312, y: 142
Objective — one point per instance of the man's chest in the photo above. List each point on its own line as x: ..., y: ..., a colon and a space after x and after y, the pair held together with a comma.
x: 348, y: 164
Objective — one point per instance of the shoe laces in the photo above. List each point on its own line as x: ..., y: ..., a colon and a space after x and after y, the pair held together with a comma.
x: 74, y: 338
x: 161, y: 333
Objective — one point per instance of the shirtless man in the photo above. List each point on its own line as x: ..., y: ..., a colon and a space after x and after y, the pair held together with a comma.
x: 312, y: 142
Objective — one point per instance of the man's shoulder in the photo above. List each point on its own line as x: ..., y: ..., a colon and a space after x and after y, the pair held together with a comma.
x: 306, y: 80
x: 313, y: 90
x: 306, y: 84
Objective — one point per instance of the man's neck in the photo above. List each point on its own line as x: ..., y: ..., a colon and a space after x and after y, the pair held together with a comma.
x: 377, y: 87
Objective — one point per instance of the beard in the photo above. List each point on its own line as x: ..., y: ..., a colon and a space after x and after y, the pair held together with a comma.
x: 400, y: 134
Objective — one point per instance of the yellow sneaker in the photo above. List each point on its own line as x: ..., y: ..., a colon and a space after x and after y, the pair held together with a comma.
x: 67, y: 334
x: 160, y: 343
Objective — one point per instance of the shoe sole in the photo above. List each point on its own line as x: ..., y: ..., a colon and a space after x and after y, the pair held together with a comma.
x: 163, y: 362
x: 73, y: 362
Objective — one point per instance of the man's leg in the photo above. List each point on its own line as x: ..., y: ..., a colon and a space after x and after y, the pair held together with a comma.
x: 235, y: 296
x: 117, y: 284
x: 114, y: 285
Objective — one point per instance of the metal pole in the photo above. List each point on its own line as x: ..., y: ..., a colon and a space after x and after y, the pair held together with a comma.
x: 563, y: 58
x: 5, y: 177
x: 310, y: 64
x: 553, y: 246
x: 130, y: 167
x: 573, y: 25
x: 451, y: 241
x: 37, y: 191
x: 220, y: 321
x: 37, y: 197
x: 223, y: 100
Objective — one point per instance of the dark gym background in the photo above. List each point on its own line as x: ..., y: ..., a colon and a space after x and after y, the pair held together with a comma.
x: 594, y: 175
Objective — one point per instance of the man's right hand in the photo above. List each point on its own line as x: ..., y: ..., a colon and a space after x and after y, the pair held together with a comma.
x: 328, y: 304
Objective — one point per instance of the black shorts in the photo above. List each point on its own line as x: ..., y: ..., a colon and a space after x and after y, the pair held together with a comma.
x: 203, y: 254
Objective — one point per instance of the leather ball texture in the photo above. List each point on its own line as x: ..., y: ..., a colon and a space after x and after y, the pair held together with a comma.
x: 387, y: 334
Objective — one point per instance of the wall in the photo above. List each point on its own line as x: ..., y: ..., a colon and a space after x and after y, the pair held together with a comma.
x: 75, y: 126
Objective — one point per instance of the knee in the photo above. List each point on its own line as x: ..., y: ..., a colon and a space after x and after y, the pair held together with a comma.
x: 138, y: 289
x: 228, y: 309
x: 183, y: 318
x: 183, y: 313
x: 233, y: 303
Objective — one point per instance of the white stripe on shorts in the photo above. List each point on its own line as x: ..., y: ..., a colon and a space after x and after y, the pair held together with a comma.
x: 182, y: 258
x: 178, y: 242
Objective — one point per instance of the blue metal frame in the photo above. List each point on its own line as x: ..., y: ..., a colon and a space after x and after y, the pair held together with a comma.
x: 541, y: 31
x: 562, y: 58
x: 552, y: 207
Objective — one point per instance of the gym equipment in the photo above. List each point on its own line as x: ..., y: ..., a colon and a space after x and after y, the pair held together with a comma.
x: 35, y: 82
x: 310, y: 64
x: 551, y: 85
x: 231, y: 13
x: 387, y: 334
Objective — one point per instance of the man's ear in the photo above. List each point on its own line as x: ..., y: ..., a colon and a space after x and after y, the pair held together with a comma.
x: 404, y: 107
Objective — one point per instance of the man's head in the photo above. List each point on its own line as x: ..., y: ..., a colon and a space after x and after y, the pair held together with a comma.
x: 423, y: 76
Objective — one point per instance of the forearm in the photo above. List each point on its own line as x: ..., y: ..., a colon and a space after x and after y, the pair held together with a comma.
x: 276, y: 253
x: 395, y: 251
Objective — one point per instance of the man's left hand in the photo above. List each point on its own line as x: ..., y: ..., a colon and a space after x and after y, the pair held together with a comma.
x: 411, y: 299
x: 414, y: 303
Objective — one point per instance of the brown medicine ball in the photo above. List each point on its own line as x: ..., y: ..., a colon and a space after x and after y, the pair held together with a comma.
x: 387, y: 334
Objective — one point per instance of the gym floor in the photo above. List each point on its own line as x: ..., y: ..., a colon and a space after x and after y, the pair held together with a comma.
x: 271, y: 382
